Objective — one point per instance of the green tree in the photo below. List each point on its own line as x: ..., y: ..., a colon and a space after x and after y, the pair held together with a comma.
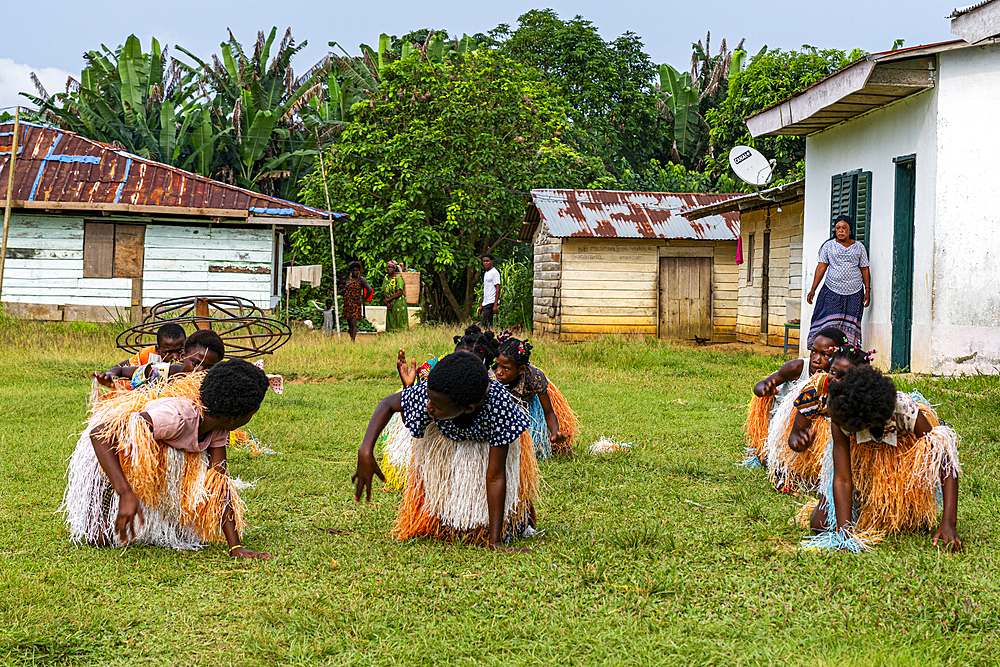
x: 769, y: 77
x: 434, y: 167
x: 608, y: 85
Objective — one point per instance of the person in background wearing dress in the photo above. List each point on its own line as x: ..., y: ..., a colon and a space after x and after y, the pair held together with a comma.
x: 396, y: 317
x: 328, y: 318
x: 491, y: 293
x: 847, y: 290
x: 356, y: 290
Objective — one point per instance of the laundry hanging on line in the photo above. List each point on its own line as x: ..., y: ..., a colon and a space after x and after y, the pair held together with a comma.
x: 308, y: 273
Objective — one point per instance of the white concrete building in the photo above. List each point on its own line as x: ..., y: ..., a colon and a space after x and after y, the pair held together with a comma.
x: 906, y: 142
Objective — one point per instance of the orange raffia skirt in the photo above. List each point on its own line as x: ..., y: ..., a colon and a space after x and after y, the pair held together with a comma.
x: 789, y: 470
x: 445, y: 495
x: 897, y: 488
x: 183, y: 499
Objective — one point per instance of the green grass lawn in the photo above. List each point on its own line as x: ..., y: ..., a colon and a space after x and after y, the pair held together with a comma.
x: 667, y: 554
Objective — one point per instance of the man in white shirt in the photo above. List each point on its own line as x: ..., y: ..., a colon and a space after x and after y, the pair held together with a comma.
x: 491, y: 293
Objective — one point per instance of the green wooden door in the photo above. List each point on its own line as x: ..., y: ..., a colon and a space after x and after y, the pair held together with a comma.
x: 902, y: 262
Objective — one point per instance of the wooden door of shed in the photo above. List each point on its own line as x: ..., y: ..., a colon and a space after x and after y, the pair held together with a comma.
x: 685, y: 297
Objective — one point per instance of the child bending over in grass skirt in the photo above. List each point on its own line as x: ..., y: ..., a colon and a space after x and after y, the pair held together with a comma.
x: 394, y: 445
x: 772, y: 390
x: 473, y: 474
x: 890, y: 467
x: 553, y: 422
x: 800, y: 427
x: 151, y: 465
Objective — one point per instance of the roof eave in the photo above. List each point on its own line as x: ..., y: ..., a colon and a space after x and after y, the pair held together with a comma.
x: 978, y: 23
x: 781, y: 194
x: 868, y: 84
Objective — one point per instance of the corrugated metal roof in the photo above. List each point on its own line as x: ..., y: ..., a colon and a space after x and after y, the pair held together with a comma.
x: 632, y: 215
x: 63, y: 168
x: 777, y: 195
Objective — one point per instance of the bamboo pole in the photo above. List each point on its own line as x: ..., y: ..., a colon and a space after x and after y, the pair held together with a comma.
x: 10, y: 190
x: 333, y: 251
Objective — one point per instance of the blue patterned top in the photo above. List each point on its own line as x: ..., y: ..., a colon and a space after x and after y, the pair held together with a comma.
x: 499, y: 422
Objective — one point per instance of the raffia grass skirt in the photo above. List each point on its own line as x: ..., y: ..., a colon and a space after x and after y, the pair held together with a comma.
x: 790, y: 470
x: 445, y: 495
x: 755, y: 427
x: 182, y: 498
x: 897, y: 489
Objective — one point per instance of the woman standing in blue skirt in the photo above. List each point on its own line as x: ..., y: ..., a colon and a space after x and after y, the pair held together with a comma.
x: 847, y: 290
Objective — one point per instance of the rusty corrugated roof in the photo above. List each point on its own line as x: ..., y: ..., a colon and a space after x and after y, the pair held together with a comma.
x: 632, y: 215
x: 69, y: 171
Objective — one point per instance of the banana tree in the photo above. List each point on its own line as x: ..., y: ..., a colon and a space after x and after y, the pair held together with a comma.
x: 680, y: 97
x: 261, y: 141
x: 144, y: 102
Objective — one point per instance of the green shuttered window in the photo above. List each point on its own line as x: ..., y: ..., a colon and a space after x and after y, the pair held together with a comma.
x: 850, y: 194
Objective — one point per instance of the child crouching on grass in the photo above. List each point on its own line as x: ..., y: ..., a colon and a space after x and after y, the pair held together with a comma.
x: 202, y: 350
x: 770, y: 393
x: 553, y: 422
x: 889, y: 469
x: 473, y: 474
x: 151, y: 465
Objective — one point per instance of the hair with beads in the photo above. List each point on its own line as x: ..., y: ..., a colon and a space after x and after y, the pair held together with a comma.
x: 853, y: 353
x: 518, y: 351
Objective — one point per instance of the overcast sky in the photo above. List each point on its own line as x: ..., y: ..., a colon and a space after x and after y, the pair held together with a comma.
x: 50, y: 36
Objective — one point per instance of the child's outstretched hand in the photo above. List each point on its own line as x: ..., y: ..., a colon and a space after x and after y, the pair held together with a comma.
x: 558, y: 437
x: 362, y: 477
x: 246, y: 553
x: 105, y: 379
x: 949, y: 537
x: 129, y: 521
x: 407, y: 372
x: 765, y: 387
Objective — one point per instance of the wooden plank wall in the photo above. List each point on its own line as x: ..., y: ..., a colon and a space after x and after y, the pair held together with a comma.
x: 725, y: 285
x: 784, y: 277
x: 545, y: 291
x: 45, y: 264
x: 198, y: 260
x: 608, y: 287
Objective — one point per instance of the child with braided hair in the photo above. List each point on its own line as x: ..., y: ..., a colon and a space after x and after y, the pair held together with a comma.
x: 553, y: 422
x: 890, y: 466
x: 473, y: 473
x: 801, y: 421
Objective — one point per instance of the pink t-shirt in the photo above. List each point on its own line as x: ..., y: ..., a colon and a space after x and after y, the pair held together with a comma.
x: 175, y: 423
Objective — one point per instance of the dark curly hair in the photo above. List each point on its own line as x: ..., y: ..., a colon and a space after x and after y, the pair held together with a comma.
x: 833, y: 333
x: 472, y: 333
x: 233, y: 388
x: 350, y: 267
x: 518, y: 351
x: 207, y: 339
x: 169, y: 331
x: 863, y: 398
x: 462, y: 377
x: 854, y: 354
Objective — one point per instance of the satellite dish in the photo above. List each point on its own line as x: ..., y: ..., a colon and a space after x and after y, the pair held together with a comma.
x: 750, y: 165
